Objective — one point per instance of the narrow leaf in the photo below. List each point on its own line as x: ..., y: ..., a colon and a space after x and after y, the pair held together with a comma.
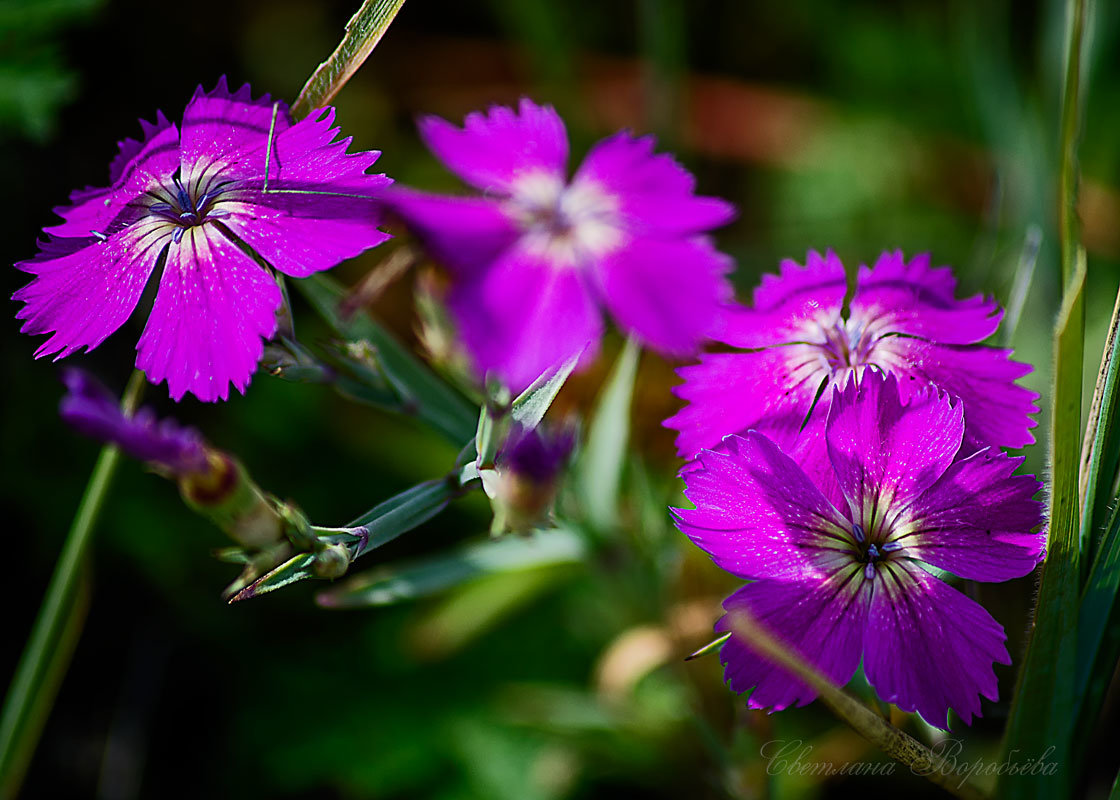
x: 296, y: 568
x: 710, y: 647
x: 599, y: 471
x: 1099, y: 457
x: 1040, y: 710
x: 530, y: 406
x: 403, y: 512
x: 363, y: 32
x: 426, y: 577
x: 1098, y: 639
x: 422, y: 393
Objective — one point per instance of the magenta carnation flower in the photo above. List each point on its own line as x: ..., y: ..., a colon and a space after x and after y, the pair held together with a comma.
x: 843, y: 582
x: 797, y: 343
x: 191, y: 203
x: 538, y: 254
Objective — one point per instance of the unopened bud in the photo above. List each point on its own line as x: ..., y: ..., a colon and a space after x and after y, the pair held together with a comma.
x: 331, y: 562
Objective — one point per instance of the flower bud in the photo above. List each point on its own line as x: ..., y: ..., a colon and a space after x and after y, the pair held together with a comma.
x: 526, y: 476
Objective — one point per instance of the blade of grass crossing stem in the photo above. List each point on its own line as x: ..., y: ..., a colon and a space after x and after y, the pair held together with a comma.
x: 1099, y: 448
x: 1041, y: 710
x: 1098, y: 633
x: 892, y: 741
x: 422, y: 393
x: 45, y: 656
x: 363, y: 32
x: 599, y: 471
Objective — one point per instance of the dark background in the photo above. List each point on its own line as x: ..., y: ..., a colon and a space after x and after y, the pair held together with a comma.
x: 859, y: 126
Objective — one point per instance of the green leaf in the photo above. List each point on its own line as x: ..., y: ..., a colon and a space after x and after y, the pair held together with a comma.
x: 599, y: 471
x: 1044, y: 695
x: 1100, y: 451
x: 393, y: 584
x: 1098, y: 631
x: 296, y: 568
x: 403, y: 512
x: 530, y: 406
x: 363, y: 32
x: 420, y: 391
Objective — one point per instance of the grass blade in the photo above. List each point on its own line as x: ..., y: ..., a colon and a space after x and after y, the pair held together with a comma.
x: 1098, y: 639
x: 599, y: 471
x: 1044, y: 695
x: 1099, y: 457
x: 363, y: 32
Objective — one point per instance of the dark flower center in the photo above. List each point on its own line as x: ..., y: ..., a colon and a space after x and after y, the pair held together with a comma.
x: 187, y: 206
x: 869, y: 553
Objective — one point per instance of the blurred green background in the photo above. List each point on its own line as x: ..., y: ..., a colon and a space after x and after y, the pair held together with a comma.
x: 859, y: 126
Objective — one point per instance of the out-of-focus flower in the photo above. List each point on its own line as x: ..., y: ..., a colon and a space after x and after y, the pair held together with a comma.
x: 215, y: 205
x: 537, y: 255
x: 526, y: 476
x: 796, y: 344
x: 93, y: 411
x: 841, y: 583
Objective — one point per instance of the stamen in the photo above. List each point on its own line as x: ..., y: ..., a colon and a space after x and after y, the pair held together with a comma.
x: 857, y: 531
x: 178, y: 235
x: 184, y: 196
x: 869, y: 571
x: 160, y: 208
x: 890, y: 547
x: 872, y: 552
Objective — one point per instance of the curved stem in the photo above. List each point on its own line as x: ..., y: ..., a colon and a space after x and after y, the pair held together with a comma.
x: 46, y: 654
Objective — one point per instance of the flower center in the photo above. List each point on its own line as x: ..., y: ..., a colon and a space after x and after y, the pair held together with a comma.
x: 845, y: 345
x: 869, y: 553
x: 568, y: 225
x: 186, y: 206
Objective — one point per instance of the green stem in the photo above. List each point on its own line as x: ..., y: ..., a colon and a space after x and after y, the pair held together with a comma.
x: 45, y: 657
x: 1068, y: 228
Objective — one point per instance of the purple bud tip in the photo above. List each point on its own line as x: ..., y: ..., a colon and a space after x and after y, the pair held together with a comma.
x: 92, y: 410
x: 536, y: 455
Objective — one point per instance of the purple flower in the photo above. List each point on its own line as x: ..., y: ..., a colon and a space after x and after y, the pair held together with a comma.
x: 796, y: 344
x: 191, y: 204
x: 537, y: 255
x: 93, y: 411
x: 843, y: 582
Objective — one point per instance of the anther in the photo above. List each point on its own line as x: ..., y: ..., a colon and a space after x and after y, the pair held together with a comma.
x: 890, y: 547
x: 857, y: 530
